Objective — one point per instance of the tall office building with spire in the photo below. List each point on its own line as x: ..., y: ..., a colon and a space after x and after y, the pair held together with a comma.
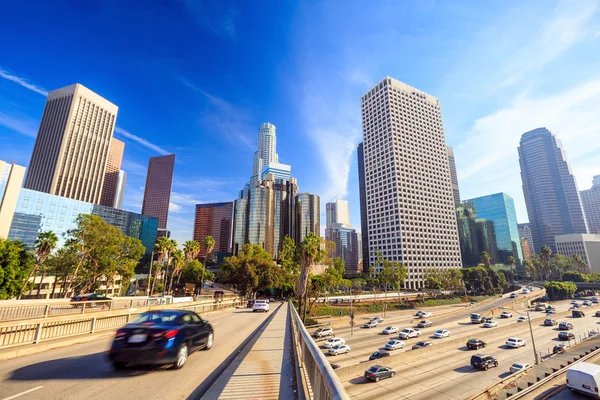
x: 267, y: 151
x: 550, y: 190
x: 410, y: 203
x: 72, y: 145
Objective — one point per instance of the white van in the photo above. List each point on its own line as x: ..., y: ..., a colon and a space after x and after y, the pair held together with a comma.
x: 476, y: 318
x: 584, y: 378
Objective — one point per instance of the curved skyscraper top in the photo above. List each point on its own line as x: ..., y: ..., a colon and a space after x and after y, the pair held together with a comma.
x: 267, y: 150
x: 550, y: 190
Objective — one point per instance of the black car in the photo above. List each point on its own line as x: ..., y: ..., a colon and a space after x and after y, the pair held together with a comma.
x: 578, y: 314
x: 425, y: 324
x: 379, y: 354
x: 565, y: 326
x: 475, y: 344
x: 250, y: 303
x: 160, y: 337
x: 91, y: 297
x: 378, y: 372
x: 566, y: 336
x: 482, y: 361
x: 420, y: 345
x: 597, y: 314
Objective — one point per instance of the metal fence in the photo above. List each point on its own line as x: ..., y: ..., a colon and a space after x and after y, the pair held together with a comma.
x: 32, y: 333
x: 315, y: 376
x: 18, y: 312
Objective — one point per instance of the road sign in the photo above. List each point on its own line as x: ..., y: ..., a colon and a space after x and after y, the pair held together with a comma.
x: 351, y: 323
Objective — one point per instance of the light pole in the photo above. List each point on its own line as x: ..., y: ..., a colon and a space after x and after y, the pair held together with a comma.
x: 537, y: 361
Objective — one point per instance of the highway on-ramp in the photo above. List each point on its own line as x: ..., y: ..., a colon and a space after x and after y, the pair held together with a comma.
x: 82, y: 372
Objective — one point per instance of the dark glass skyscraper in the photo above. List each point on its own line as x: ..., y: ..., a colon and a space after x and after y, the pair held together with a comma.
x: 214, y: 219
x: 550, y: 190
x: 364, y: 226
x: 158, y: 189
x: 308, y: 215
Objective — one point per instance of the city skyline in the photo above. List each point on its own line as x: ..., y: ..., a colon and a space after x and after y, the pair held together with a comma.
x: 481, y: 123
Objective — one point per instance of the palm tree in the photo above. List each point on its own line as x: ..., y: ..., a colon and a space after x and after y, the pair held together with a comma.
x: 160, y: 249
x: 546, y: 252
x: 191, y: 248
x: 44, y: 244
x: 511, y: 262
x: 580, y: 265
x: 209, y: 243
x: 171, y: 247
x: 486, y: 258
x: 310, y: 252
x: 177, y: 260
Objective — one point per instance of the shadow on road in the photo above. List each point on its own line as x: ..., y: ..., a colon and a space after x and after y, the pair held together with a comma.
x: 467, y: 369
x: 504, y: 374
x: 358, y: 380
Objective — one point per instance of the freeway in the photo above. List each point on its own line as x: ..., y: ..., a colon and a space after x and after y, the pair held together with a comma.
x: 81, y: 371
x: 448, y: 374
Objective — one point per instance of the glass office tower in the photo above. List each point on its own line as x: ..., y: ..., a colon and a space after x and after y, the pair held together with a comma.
x: 500, y: 209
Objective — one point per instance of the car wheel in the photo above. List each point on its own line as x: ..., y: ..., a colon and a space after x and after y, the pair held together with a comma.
x: 118, y: 366
x: 182, y: 356
x: 419, y: 334
x: 392, y: 374
x: 209, y: 341
x: 495, y: 364
x: 485, y: 367
x: 253, y: 310
x: 376, y: 379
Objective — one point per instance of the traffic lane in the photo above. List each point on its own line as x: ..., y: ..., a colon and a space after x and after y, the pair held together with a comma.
x: 449, y: 374
x: 83, y: 371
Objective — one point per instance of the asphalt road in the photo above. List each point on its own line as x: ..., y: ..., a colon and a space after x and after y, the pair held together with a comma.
x: 448, y: 373
x: 82, y: 372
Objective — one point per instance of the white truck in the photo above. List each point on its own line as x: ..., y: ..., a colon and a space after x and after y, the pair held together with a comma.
x: 476, y: 318
x: 584, y: 378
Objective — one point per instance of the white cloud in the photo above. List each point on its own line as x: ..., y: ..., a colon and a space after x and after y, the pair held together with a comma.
x: 174, y: 207
x: 488, y: 160
x: 24, y: 125
x: 22, y: 81
x: 141, y: 141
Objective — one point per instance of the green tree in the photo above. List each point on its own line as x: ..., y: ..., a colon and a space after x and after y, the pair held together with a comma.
x: 546, y: 252
x: 193, y: 272
x: 310, y: 252
x: 574, y: 276
x: 61, y: 264
x: 486, y: 258
x: 16, y: 264
x: 177, y: 260
x: 511, y: 263
x: 209, y: 244
x: 560, y: 290
x: 44, y: 244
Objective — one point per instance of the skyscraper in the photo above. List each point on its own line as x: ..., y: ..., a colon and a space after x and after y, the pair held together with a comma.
x: 362, y: 189
x: 266, y: 153
x: 525, y: 234
x: 338, y: 212
x: 308, y: 215
x: 410, y: 206
x: 214, y: 219
x: 339, y: 231
x: 591, y: 205
x: 111, y: 175
x: 157, y: 193
x: 11, y: 179
x: 72, y: 145
x: 550, y: 190
x: 453, y: 175
x: 121, y: 189
x: 475, y: 235
x: 499, y: 208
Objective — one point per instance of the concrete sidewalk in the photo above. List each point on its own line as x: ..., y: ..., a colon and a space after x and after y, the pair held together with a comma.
x: 264, y: 369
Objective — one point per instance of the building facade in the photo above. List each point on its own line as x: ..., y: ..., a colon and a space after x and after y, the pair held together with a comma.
x: 157, y: 193
x: 585, y: 245
x: 110, y: 188
x: 121, y: 189
x: 500, y: 209
x: 347, y: 246
x: 527, y: 254
x: 453, y: 175
x: 214, y: 219
x: 11, y: 179
x: 71, y: 148
x: 476, y: 235
x: 525, y: 234
x: 278, y: 170
x: 410, y: 205
x: 308, y: 215
x: 362, y: 190
x: 590, y: 200
x: 267, y: 151
x: 338, y: 212
x: 550, y: 190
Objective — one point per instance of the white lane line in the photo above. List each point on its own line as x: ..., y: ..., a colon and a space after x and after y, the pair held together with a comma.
x: 23, y: 393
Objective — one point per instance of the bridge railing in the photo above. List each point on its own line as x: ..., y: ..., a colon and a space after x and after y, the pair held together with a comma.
x: 316, y: 378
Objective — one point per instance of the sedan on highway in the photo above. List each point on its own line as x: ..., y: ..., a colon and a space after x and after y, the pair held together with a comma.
x: 490, y: 324
x: 260, y: 305
x: 425, y: 314
x: 475, y: 344
x: 370, y: 324
x: 587, y: 303
x: 441, y: 333
x: 329, y: 343
x: 566, y: 336
x: 506, y: 314
x: 513, y: 296
x: 425, y: 324
x: 550, y: 322
x: 160, y: 337
x: 565, y: 326
x: 379, y: 320
x: 518, y: 367
x: 339, y: 349
x: 408, y: 333
x: 394, y: 345
x: 91, y: 297
x: 390, y: 330
x: 522, y: 318
x: 515, y: 342
x: 378, y: 372
x: 379, y: 354
x: 420, y: 345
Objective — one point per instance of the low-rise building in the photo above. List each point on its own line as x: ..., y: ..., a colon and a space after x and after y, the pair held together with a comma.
x: 585, y: 245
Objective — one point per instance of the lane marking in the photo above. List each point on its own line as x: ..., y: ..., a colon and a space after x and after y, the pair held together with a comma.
x: 23, y: 393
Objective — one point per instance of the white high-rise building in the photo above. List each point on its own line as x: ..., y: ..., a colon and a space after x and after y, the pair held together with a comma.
x: 338, y: 212
x: 267, y: 151
x: 410, y: 204
x: 72, y: 146
x: 590, y: 199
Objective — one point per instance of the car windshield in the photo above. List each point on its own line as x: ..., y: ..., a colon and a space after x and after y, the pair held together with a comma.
x: 376, y: 354
x: 406, y: 330
x: 512, y: 340
x: 440, y: 331
x: 391, y: 342
x: 423, y: 322
x: 373, y: 369
x: 420, y: 343
x: 157, y: 318
x: 337, y: 346
x: 389, y: 328
x: 472, y: 340
x: 517, y: 365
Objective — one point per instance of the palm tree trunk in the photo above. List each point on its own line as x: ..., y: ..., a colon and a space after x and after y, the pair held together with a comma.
x: 27, y: 281
x: 41, y: 281
x: 54, y: 286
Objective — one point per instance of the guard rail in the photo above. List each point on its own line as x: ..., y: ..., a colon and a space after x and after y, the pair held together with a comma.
x: 314, y: 374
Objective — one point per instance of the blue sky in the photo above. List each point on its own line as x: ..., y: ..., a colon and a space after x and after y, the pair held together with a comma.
x: 197, y: 78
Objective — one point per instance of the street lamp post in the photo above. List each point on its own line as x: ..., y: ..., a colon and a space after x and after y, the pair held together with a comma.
x: 537, y: 360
